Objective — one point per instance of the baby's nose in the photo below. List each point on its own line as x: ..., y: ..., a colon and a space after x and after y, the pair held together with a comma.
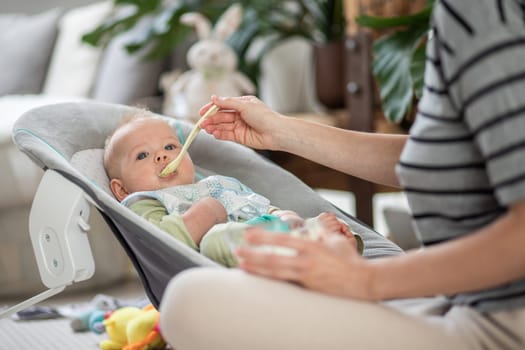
x: 162, y: 157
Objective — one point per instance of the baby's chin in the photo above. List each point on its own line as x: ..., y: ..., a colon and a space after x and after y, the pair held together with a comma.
x: 174, y: 180
x: 169, y: 178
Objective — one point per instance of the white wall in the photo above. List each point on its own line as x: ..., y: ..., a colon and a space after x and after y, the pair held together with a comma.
x: 36, y: 6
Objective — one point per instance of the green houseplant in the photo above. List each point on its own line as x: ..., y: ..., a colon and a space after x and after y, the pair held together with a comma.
x: 273, y: 20
x: 399, y: 59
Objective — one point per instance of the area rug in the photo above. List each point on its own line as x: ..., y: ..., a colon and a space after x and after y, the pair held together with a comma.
x: 54, y: 334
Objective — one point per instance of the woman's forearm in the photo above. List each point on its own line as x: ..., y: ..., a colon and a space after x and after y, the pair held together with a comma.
x: 484, y: 259
x: 369, y: 156
x: 249, y: 121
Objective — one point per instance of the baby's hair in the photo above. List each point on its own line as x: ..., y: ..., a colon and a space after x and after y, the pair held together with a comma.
x: 136, y: 114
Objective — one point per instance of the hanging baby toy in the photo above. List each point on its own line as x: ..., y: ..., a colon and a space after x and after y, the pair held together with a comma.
x: 213, y: 66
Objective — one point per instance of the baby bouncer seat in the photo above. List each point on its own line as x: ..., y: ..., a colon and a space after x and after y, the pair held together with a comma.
x: 67, y: 141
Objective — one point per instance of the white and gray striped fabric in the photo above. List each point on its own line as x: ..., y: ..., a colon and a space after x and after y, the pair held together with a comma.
x: 464, y: 163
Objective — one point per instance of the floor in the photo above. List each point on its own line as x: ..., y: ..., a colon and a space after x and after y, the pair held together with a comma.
x: 57, y: 334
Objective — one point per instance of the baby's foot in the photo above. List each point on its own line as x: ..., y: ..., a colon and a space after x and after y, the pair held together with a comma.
x: 331, y: 223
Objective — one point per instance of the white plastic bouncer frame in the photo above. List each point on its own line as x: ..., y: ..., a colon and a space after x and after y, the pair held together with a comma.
x: 58, y: 227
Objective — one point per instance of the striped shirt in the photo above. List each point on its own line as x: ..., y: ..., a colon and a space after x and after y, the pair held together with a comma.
x: 464, y: 162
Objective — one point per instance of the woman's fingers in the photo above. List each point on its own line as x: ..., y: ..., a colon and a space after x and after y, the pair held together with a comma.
x: 223, y: 125
x: 270, y: 264
x: 204, y: 108
x: 235, y: 103
x: 288, y: 260
x: 257, y: 236
x: 330, y: 265
x: 222, y: 118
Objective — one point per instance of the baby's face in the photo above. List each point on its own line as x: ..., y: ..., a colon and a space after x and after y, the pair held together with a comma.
x: 142, y: 149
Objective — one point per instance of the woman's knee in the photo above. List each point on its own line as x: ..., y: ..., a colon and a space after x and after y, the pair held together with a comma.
x: 189, y: 296
x: 177, y: 307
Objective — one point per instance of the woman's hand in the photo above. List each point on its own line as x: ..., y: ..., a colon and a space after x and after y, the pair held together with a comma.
x: 244, y: 120
x: 331, y: 265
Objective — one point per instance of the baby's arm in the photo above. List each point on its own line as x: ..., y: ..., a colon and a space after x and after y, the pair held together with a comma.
x: 202, y: 216
x: 175, y: 224
x: 156, y: 213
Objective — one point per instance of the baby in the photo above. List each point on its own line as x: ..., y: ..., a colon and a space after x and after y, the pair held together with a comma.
x: 197, y: 213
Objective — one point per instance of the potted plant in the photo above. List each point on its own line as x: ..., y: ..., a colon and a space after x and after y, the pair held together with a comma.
x: 273, y: 20
x: 399, y: 60
x: 328, y: 34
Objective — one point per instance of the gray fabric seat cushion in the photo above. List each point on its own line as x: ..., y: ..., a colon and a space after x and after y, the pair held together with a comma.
x: 68, y: 128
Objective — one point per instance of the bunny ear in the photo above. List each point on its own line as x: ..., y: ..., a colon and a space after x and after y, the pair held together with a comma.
x: 201, y: 23
x: 228, y: 22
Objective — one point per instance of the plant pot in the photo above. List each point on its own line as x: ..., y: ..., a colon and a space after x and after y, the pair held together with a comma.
x: 330, y: 74
x: 286, y: 78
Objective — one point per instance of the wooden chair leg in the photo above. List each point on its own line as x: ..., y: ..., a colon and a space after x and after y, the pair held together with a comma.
x: 360, y: 105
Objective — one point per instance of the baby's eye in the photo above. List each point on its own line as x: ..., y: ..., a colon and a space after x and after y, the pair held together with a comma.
x: 170, y: 147
x: 142, y: 155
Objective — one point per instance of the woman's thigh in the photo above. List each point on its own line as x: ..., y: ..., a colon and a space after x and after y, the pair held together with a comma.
x: 211, y: 308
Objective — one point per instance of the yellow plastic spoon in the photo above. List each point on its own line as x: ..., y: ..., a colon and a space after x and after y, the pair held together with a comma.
x: 174, y: 164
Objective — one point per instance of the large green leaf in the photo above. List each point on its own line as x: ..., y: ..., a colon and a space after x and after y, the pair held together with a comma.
x: 327, y: 17
x: 417, y: 19
x: 109, y: 29
x: 399, y: 63
x: 392, y: 69
x: 417, y: 70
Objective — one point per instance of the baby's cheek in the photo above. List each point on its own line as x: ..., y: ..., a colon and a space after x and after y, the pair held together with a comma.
x: 145, y: 183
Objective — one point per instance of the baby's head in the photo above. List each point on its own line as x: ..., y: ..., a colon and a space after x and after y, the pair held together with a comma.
x: 138, y: 150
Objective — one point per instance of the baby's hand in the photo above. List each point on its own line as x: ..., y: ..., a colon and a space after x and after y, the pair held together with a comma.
x: 290, y: 217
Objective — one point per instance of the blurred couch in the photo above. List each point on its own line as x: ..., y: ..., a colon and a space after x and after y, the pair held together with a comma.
x: 43, y: 61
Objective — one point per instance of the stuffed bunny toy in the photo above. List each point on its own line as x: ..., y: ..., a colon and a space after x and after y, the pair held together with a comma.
x: 213, y: 66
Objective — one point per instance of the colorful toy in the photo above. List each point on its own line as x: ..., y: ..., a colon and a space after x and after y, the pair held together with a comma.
x: 89, y: 320
x: 90, y: 317
x: 131, y: 328
x: 213, y: 66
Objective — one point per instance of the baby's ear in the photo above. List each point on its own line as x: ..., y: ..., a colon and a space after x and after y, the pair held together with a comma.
x: 118, y: 189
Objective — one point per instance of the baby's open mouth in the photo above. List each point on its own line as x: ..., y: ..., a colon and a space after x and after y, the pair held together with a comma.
x: 168, y: 175
x: 172, y: 166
